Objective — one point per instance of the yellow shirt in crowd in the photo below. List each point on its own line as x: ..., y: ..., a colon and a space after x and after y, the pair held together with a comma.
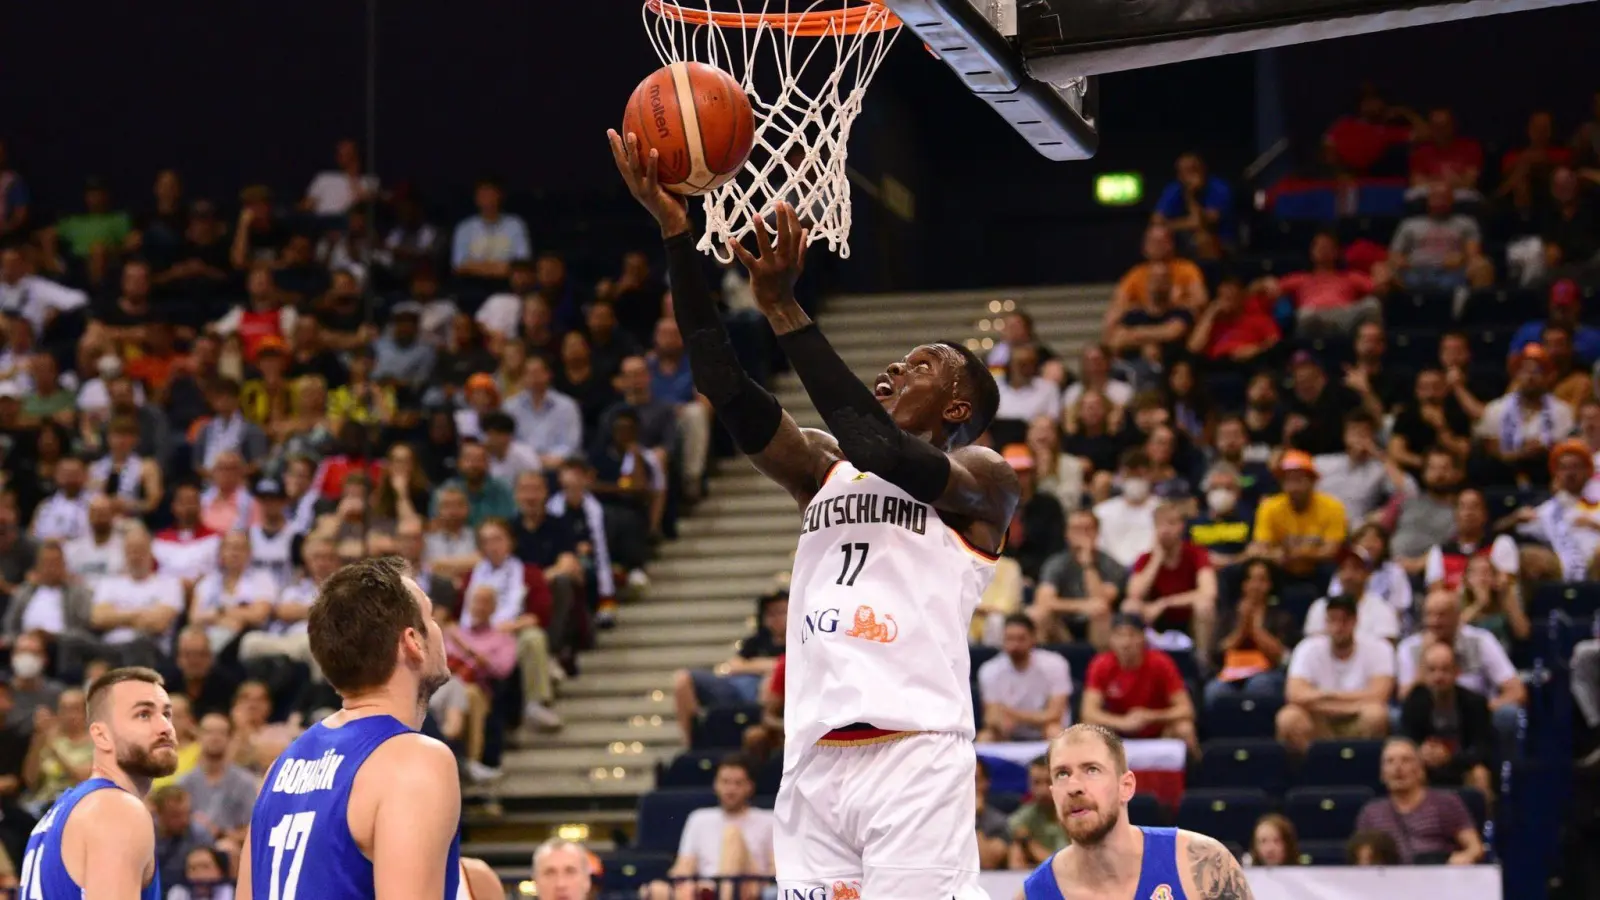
x: 1278, y: 523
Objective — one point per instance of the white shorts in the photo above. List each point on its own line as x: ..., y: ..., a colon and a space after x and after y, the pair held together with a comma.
x: 895, y: 820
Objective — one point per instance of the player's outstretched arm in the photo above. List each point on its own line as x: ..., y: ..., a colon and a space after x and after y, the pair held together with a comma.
x: 795, y: 458
x: 110, y: 831
x: 971, y: 481
x: 1213, y: 871
x: 413, y: 828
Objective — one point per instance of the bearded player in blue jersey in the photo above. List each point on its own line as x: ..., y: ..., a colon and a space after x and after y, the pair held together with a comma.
x: 96, y: 841
x: 1110, y: 856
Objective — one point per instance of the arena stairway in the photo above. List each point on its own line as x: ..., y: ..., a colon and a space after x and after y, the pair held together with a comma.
x: 585, y: 780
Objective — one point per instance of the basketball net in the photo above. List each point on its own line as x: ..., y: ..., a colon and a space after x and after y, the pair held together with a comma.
x: 799, y: 153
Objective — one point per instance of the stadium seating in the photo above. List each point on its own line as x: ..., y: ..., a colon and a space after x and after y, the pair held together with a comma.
x: 1244, y: 763
x: 662, y: 815
x: 1341, y: 764
x: 1241, y: 717
x: 692, y: 769
x: 1322, y: 853
x: 1227, y: 815
x: 1325, y: 813
x: 724, y: 726
x: 626, y: 870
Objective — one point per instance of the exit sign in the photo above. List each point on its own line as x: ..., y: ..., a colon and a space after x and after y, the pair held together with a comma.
x: 1119, y: 188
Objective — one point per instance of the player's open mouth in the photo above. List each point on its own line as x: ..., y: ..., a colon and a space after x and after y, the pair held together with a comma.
x: 883, y: 388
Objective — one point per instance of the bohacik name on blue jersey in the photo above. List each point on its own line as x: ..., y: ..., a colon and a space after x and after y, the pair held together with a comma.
x: 302, y: 776
x: 866, y: 509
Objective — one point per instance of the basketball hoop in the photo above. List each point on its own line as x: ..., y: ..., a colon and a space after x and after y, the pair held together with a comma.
x: 806, y: 72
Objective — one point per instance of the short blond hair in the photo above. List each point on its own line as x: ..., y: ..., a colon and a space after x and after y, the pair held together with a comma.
x: 1105, y: 736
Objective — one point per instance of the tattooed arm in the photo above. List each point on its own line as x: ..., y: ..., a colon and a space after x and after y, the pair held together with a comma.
x: 1213, y: 873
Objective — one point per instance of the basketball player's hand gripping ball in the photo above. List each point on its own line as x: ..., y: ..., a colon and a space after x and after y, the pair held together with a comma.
x: 698, y: 121
x: 640, y: 172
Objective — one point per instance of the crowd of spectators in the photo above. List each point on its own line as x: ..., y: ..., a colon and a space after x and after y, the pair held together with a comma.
x: 207, y: 406
x: 1252, y: 485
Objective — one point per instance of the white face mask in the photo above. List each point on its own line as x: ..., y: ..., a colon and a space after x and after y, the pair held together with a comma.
x: 1221, y: 500
x: 1136, y: 489
x: 27, y: 665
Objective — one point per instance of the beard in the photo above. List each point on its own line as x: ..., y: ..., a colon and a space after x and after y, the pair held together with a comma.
x: 431, y: 681
x: 148, y: 762
x: 1090, y: 830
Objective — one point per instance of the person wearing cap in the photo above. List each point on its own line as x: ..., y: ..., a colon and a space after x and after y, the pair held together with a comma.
x: 1518, y: 429
x: 1567, y: 524
x: 272, y: 537
x: 1302, y: 528
x: 401, y: 354
x: 1374, y: 614
x: 564, y: 870
x: 1038, y: 527
x: 1136, y: 690
x: 1340, y: 682
x: 1566, y: 305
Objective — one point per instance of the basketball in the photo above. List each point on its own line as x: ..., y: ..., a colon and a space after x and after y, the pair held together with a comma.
x: 699, y: 120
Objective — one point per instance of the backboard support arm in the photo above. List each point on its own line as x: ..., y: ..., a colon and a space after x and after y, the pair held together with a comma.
x: 1060, y: 123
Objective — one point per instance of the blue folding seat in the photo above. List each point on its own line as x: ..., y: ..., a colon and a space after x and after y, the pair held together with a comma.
x: 661, y: 817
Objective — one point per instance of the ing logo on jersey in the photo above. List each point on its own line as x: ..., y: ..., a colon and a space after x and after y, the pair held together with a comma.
x: 846, y: 890
x: 868, y: 628
x: 1162, y: 892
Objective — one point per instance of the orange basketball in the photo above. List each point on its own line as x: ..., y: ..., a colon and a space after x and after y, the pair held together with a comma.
x: 699, y: 120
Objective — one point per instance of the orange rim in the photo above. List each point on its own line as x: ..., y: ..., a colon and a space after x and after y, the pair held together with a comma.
x: 861, y: 18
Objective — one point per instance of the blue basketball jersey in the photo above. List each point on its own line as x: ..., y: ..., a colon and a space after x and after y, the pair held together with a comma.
x: 1158, y: 871
x: 44, y: 875
x: 300, y: 842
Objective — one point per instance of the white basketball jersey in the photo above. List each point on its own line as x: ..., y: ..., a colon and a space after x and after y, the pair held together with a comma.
x: 881, y: 601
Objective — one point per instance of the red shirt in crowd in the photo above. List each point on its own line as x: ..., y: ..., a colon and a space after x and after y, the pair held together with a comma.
x: 1432, y: 162
x: 1326, y: 290
x: 777, y: 676
x: 1359, y: 144
x: 1252, y: 327
x: 1176, y: 576
x: 1553, y: 156
x: 1150, y: 685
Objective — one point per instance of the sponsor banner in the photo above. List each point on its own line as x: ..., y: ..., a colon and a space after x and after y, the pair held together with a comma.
x: 1328, y: 883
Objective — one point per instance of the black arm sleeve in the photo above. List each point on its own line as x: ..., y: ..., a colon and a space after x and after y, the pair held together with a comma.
x: 749, y: 412
x: 867, y: 436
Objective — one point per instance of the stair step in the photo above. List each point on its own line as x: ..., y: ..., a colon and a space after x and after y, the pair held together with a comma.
x: 649, y: 731
x: 533, y: 760
x: 776, y: 544
x: 775, y: 504
x: 661, y: 613
x: 597, y: 682
x: 581, y: 709
x: 631, y: 784
x: 733, y: 587
x: 601, y: 818
x: 655, y: 659
x: 725, y: 633
x: 722, y: 565
x: 739, y: 523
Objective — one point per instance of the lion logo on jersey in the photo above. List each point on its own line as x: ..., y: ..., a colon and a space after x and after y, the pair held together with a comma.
x: 845, y: 891
x: 867, y: 626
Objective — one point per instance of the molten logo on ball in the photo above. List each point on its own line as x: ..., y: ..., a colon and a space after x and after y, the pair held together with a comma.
x: 658, y: 110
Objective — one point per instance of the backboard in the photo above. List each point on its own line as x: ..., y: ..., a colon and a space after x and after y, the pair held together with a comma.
x: 1035, y: 61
